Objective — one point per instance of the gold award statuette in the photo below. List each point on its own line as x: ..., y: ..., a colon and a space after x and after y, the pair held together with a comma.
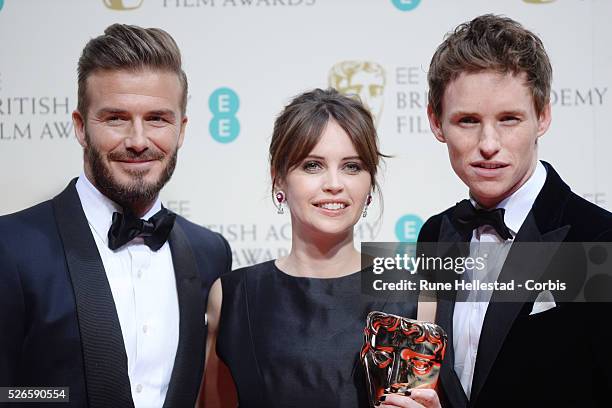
x: 366, y: 79
x: 400, y: 353
x: 123, y: 4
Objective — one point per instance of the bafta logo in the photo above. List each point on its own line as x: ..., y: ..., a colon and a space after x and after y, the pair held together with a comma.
x: 123, y: 4
x: 365, y: 79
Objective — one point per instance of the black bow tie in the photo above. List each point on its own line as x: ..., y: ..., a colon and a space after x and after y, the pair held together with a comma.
x: 467, y: 219
x: 127, y: 226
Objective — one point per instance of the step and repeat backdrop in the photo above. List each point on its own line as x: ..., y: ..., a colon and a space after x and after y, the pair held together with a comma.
x: 245, y: 59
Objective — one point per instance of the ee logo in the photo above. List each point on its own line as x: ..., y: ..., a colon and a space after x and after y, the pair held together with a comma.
x: 224, y: 127
x: 406, y: 5
x: 407, y: 228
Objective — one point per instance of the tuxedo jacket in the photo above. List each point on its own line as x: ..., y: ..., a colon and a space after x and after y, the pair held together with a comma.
x: 58, y: 322
x: 561, y: 357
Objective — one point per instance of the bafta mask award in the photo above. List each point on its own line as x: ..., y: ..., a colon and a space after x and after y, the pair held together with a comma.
x: 399, y: 354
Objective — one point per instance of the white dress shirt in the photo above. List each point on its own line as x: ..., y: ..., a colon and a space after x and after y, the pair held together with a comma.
x: 469, y: 316
x: 143, y: 285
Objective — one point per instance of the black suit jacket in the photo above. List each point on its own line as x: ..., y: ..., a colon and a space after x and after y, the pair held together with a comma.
x: 58, y: 322
x: 557, y: 358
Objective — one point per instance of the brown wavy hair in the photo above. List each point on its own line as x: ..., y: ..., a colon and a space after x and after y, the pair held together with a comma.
x: 490, y: 42
x: 300, y: 125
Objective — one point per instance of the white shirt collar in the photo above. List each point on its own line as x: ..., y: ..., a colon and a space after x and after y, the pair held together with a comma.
x: 99, y: 209
x: 519, y: 203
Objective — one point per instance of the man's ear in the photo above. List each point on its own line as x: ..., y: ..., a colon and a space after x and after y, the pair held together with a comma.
x: 544, y: 119
x: 435, y: 125
x: 182, y: 131
x: 79, y: 127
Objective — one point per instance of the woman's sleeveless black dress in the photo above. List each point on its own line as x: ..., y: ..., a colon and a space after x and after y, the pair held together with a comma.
x: 294, y: 342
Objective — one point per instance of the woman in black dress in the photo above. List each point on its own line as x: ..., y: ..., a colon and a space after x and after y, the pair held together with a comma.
x: 290, y: 330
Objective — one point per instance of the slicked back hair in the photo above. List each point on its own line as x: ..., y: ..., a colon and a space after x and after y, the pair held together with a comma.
x: 132, y: 48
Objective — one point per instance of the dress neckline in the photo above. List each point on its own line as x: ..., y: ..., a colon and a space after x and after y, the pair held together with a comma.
x: 312, y: 278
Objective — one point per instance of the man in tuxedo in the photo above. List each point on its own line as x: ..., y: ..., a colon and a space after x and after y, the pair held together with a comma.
x: 102, y: 289
x: 489, y: 102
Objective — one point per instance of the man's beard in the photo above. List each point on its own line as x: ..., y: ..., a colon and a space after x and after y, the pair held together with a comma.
x: 137, y: 191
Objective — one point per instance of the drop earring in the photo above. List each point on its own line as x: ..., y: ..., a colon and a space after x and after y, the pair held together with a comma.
x: 280, y: 199
x: 365, y: 209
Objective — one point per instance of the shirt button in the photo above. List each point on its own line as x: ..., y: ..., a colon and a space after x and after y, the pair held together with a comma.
x: 145, y: 329
x: 139, y: 388
x: 139, y: 274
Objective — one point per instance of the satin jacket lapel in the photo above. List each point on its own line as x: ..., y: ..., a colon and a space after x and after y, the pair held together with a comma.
x: 189, y: 361
x: 523, y: 262
x: 448, y: 239
x: 105, y: 360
